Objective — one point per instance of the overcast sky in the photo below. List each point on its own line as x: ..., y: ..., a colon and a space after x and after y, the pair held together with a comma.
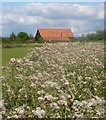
x: 28, y: 17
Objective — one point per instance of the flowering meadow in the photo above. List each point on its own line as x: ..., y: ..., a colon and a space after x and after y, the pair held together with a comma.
x: 57, y: 80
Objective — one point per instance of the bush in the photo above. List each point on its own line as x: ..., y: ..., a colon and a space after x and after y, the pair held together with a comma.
x: 69, y: 40
x: 41, y: 40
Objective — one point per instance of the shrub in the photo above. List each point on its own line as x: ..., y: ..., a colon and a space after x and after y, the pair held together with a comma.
x: 41, y: 40
x: 69, y: 40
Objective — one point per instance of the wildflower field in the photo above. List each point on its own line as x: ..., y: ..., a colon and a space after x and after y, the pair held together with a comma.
x: 57, y: 80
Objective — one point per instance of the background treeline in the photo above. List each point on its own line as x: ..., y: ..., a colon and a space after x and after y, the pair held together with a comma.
x: 99, y: 35
x: 21, y: 37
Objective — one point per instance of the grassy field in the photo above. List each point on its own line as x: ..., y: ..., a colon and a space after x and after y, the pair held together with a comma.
x: 8, y: 53
x: 62, y: 80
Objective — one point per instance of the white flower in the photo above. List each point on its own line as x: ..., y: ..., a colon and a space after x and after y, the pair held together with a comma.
x: 15, y: 116
x: 91, y: 102
x: 12, y: 60
x: 20, y: 110
x: 79, y: 115
x: 79, y: 77
x: 84, y: 102
x: 76, y: 102
x: 38, y: 113
x: 54, y: 105
x: 48, y: 97
x: 66, y: 83
x: 100, y: 111
x: 22, y: 90
x: 19, y: 60
x: 63, y: 97
x: 62, y: 103
x: 57, y: 115
x: 40, y: 99
x: 60, y: 91
x: 40, y: 92
x: 33, y: 85
x: 50, y: 84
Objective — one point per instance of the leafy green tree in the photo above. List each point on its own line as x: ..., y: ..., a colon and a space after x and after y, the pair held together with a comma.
x: 100, y: 34
x: 22, y: 37
x: 91, y: 36
x: 12, y: 37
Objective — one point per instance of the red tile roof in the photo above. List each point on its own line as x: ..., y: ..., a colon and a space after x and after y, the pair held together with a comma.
x: 56, y: 34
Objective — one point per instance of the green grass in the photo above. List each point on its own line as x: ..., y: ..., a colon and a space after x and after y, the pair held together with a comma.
x: 8, y: 53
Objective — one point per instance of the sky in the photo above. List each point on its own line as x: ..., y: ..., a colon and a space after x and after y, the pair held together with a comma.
x: 52, y: 0
x: 81, y: 17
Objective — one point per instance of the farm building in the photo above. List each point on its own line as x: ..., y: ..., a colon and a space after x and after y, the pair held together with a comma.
x: 54, y: 34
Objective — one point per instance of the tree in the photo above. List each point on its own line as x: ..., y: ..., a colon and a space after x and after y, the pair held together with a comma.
x: 100, y: 34
x: 12, y: 37
x: 22, y: 37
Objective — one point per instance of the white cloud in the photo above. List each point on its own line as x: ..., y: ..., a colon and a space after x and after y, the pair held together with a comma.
x: 101, y: 15
x: 28, y: 18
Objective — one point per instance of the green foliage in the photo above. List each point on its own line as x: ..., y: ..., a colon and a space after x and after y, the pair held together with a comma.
x: 99, y: 35
x: 22, y: 37
x: 12, y: 37
x: 41, y: 40
x: 5, y: 40
x: 69, y: 40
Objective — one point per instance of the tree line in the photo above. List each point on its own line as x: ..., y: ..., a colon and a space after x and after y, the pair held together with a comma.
x: 99, y: 35
x: 21, y: 37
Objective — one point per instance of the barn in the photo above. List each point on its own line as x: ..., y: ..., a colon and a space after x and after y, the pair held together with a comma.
x: 54, y: 34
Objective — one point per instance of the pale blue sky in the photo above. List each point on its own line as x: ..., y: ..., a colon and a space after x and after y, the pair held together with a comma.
x: 23, y: 2
x: 13, y: 4
x: 53, y: 0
